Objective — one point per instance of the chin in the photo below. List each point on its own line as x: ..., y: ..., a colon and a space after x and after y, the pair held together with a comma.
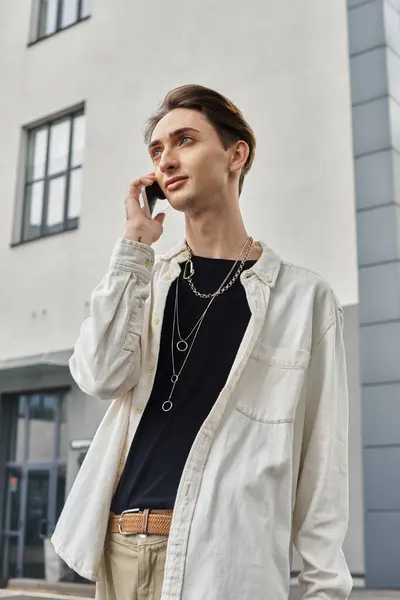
x: 181, y: 202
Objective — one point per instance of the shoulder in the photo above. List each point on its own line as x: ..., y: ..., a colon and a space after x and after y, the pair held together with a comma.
x: 307, y: 288
x: 307, y: 280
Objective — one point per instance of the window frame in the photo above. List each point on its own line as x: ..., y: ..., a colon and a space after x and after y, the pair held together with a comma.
x: 36, y: 37
x: 68, y: 224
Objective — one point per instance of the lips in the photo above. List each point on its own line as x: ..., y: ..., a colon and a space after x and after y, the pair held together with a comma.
x: 174, y: 183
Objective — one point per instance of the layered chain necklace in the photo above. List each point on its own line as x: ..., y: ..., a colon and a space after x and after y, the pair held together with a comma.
x: 183, y: 344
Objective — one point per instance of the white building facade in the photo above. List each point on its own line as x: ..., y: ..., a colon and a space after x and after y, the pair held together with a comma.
x: 78, y: 81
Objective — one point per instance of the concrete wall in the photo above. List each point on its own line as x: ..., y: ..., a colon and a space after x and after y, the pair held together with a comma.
x: 375, y: 73
x: 284, y: 63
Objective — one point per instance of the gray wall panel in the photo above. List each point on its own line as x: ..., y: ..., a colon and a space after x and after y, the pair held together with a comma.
x: 393, y: 69
x: 383, y: 467
x: 394, y: 111
x: 381, y: 415
x: 379, y: 293
x: 378, y: 238
x: 383, y: 554
x: 371, y: 126
x: 366, y: 27
x: 368, y: 75
x: 391, y: 22
x: 374, y: 179
x: 396, y: 177
x: 380, y: 353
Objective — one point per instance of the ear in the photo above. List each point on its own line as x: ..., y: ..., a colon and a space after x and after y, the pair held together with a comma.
x: 239, y: 155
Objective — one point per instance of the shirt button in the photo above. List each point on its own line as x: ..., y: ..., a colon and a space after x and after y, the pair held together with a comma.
x: 148, y: 264
x: 140, y: 303
x: 156, y: 321
x: 167, y: 277
x: 139, y: 410
x: 151, y: 366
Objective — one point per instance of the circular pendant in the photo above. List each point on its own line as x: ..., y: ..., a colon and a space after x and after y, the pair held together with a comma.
x: 174, y: 378
x: 167, y: 405
x: 182, y: 346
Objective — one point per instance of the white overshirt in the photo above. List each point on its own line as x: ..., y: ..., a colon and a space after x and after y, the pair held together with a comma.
x: 268, y: 467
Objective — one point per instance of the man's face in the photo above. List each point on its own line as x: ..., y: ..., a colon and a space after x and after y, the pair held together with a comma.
x: 185, y: 145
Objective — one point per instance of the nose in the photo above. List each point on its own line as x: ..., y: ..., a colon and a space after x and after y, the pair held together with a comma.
x: 168, y: 162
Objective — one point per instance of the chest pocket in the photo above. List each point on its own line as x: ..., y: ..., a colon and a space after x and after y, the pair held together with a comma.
x: 271, y: 383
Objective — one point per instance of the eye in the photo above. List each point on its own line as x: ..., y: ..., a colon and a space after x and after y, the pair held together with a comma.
x: 185, y: 138
x: 155, y: 154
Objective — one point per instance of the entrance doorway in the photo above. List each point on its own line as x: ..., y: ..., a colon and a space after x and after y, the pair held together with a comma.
x: 34, y: 479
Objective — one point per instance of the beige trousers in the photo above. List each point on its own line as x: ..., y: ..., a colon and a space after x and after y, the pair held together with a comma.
x: 133, y: 567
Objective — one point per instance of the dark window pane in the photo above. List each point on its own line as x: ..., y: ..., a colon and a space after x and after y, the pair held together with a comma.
x: 78, y: 141
x: 69, y: 13
x: 60, y: 492
x: 59, y: 146
x: 75, y: 194
x: 37, y: 154
x: 55, y: 205
x: 42, y: 406
x: 85, y: 11
x: 36, y: 521
x: 47, y: 17
x: 33, y: 210
x: 42, y: 430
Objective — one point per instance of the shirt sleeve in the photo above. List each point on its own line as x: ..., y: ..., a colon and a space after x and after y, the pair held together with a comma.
x: 321, y: 508
x: 106, y: 360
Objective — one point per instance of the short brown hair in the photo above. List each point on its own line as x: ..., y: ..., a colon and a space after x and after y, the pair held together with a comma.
x: 225, y: 117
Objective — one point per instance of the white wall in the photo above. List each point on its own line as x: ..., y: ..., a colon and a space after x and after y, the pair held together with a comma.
x: 286, y: 66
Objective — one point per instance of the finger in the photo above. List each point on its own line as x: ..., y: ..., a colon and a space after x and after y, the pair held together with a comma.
x: 160, y: 218
x: 136, y: 185
x: 133, y: 198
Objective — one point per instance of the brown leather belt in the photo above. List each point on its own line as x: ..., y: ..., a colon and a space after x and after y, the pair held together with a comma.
x: 146, y: 522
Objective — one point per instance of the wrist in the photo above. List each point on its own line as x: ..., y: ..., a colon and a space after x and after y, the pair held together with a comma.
x: 134, y: 235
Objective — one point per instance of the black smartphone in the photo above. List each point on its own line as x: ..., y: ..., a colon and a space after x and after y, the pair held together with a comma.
x: 150, y: 194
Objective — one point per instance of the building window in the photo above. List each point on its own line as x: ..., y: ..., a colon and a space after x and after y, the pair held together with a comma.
x: 55, y: 15
x: 52, y: 191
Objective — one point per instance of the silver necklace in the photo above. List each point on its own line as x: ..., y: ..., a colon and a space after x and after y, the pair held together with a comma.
x: 182, y: 344
x: 221, y: 290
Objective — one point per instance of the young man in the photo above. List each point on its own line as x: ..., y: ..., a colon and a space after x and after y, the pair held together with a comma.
x: 228, y: 438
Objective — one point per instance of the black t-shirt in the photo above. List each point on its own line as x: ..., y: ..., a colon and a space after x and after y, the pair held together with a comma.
x: 163, y: 440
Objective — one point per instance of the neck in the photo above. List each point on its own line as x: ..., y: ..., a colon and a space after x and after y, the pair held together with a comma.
x: 217, y: 236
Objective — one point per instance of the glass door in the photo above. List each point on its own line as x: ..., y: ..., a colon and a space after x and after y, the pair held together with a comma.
x: 35, y: 482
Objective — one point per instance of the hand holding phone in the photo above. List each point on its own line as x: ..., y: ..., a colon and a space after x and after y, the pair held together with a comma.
x: 140, y: 227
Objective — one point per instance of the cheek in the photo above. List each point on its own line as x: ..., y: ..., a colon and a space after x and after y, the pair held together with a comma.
x: 210, y: 169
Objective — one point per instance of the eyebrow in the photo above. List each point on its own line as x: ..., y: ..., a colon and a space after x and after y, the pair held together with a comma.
x: 173, y: 134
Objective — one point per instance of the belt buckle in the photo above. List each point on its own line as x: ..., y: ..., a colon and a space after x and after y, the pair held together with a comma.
x: 131, y: 510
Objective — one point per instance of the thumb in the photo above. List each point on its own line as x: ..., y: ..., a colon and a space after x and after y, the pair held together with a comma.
x: 160, y: 218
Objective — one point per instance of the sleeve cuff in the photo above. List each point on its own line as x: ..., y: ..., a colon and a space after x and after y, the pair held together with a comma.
x: 129, y: 255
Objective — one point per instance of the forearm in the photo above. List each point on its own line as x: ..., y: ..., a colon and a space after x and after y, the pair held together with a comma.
x: 321, y: 511
x: 106, y: 359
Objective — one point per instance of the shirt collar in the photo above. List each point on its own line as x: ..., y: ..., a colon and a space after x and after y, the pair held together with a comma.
x: 266, y: 268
